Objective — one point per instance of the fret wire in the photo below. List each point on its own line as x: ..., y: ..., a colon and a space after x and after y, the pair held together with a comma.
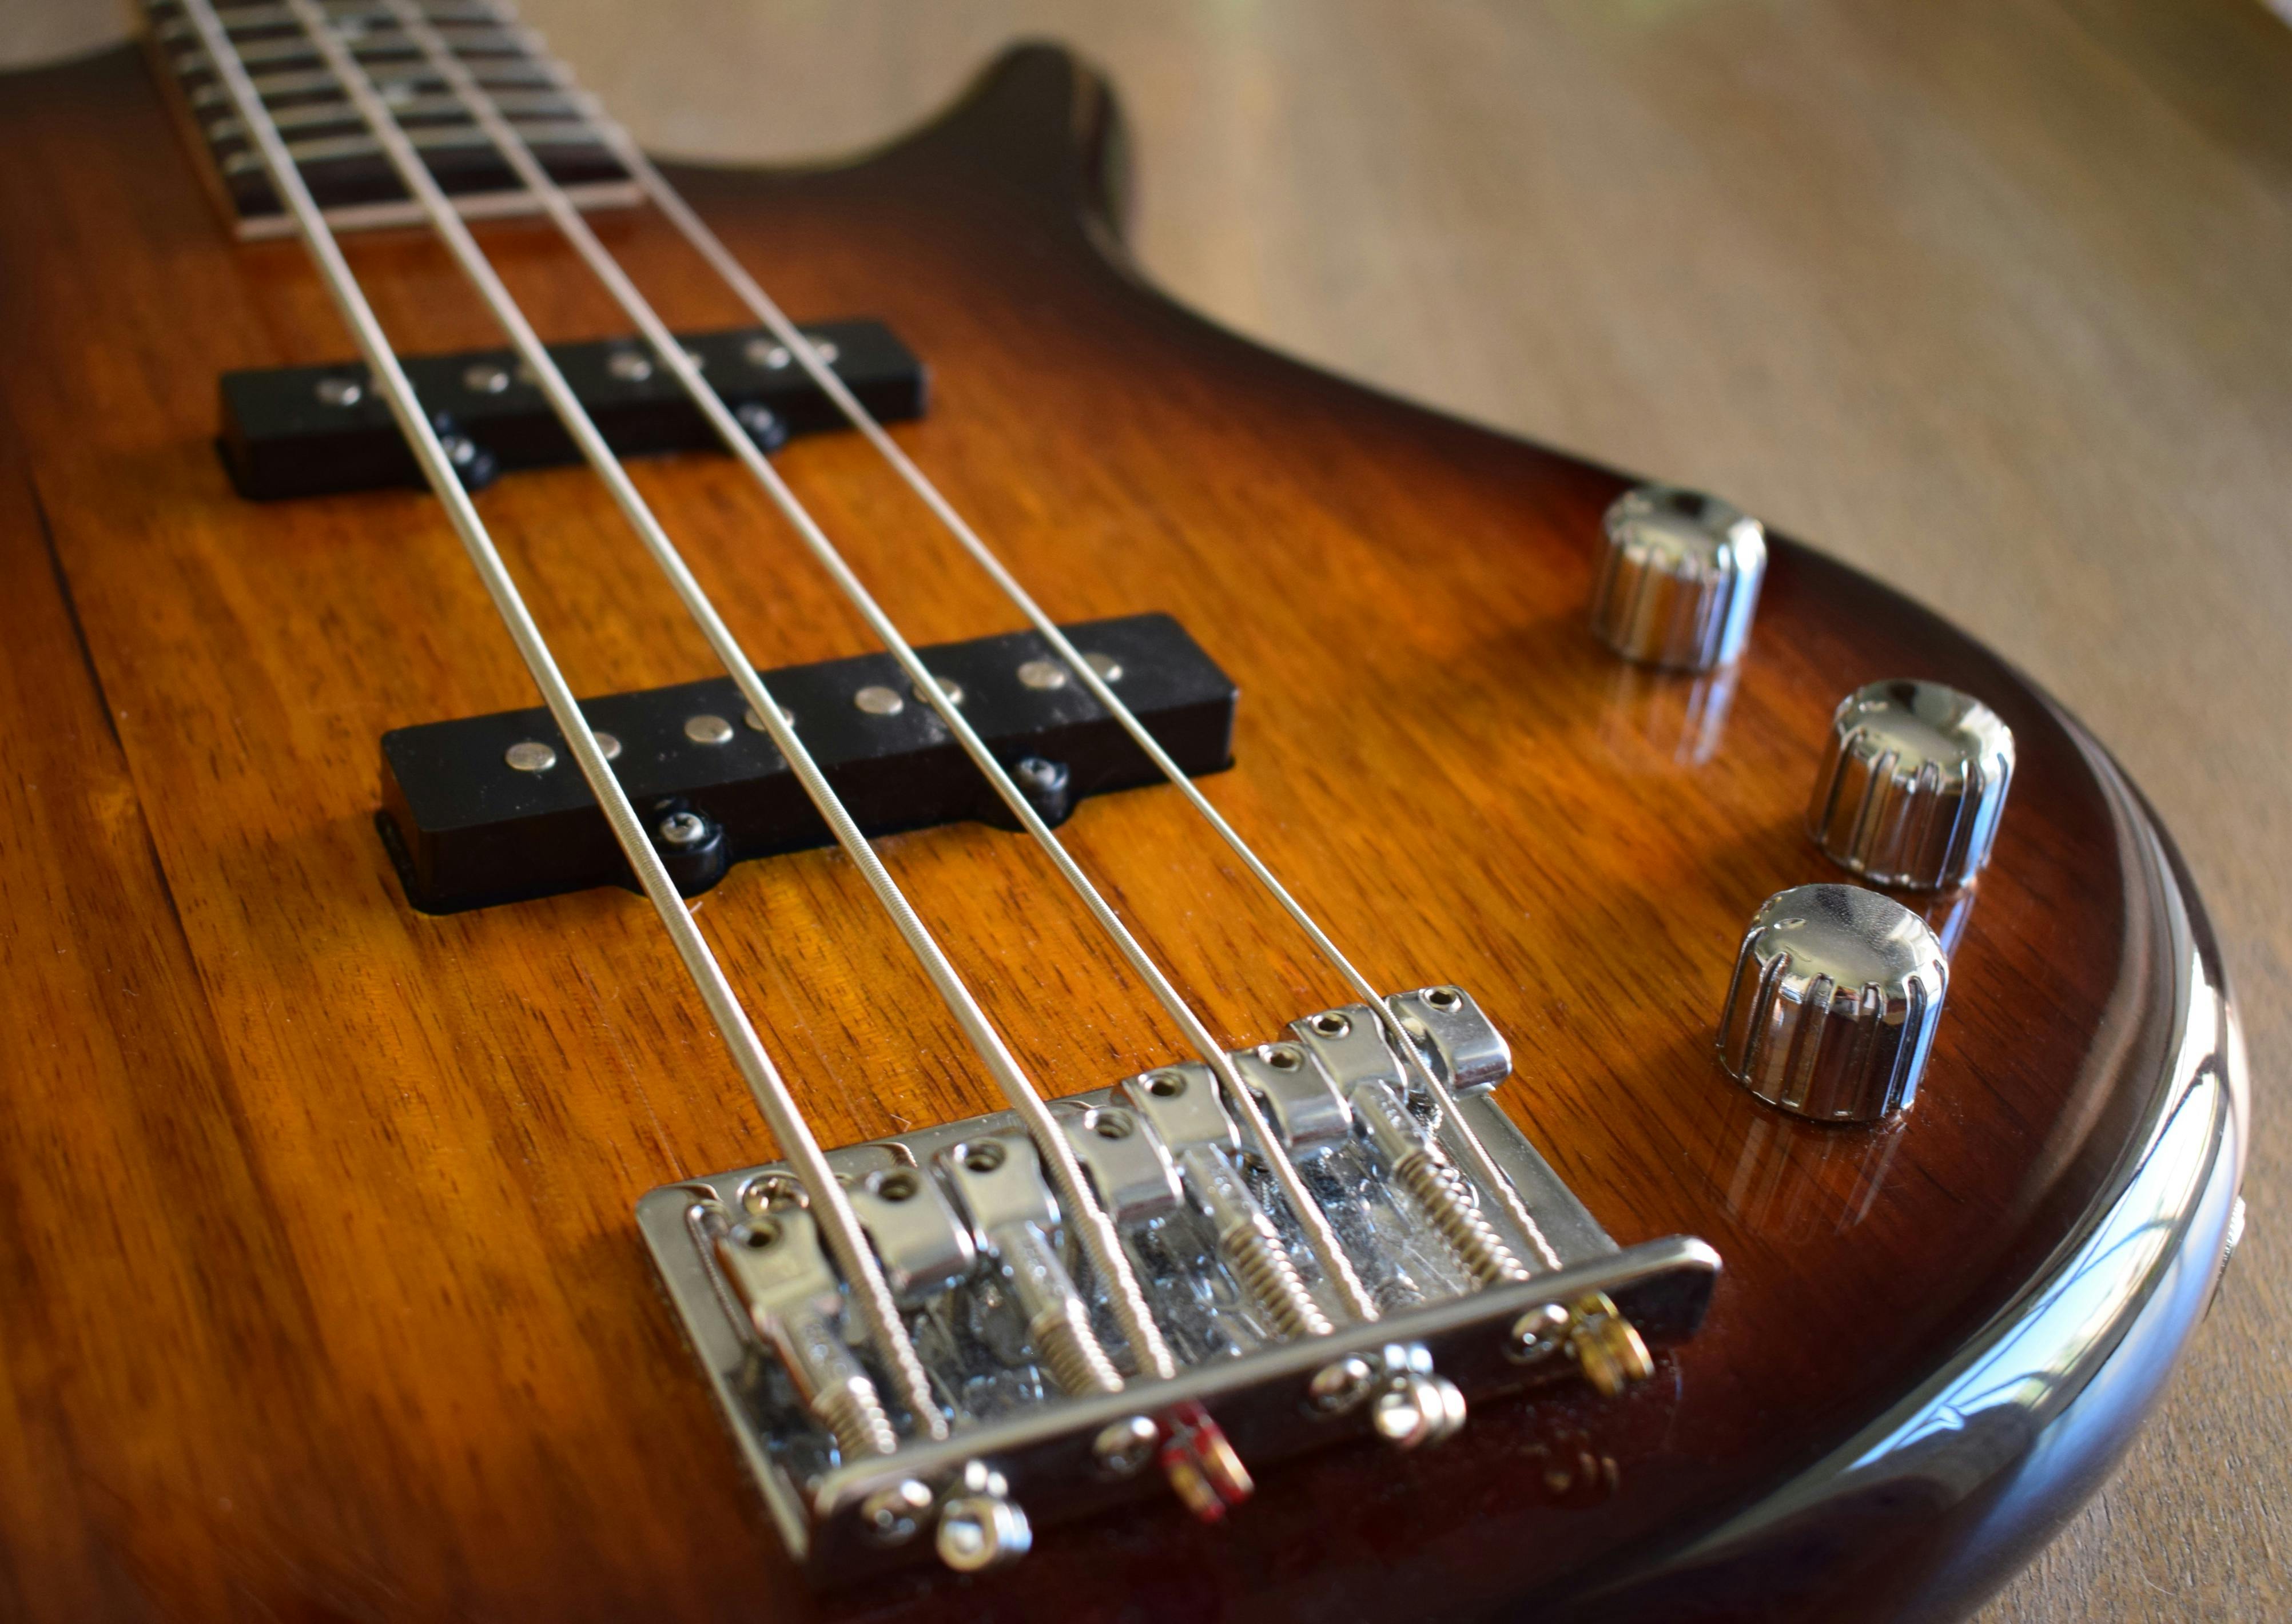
x: 526, y: 105
x: 338, y: 149
x: 1096, y: 1233
x: 1321, y: 1238
x: 664, y: 197
x: 839, y: 1224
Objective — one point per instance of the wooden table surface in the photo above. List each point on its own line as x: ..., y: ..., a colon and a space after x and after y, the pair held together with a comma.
x: 1991, y: 297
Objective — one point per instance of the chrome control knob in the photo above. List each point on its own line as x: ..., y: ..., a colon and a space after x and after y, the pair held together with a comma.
x: 1680, y: 579
x: 1912, y: 784
x: 1832, y: 1010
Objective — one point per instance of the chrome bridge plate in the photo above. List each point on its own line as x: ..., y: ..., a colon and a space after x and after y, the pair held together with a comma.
x: 1046, y: 1452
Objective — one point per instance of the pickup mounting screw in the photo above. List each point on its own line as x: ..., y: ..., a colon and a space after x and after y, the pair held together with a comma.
x: 1109, y: 668
x: 1042, y: 776
x: 531, y: 756
x: 683, y: 829
x: 705, y: 729
x: 608, y: 746
x: 1043, y: 675
x: 757, y: 721
x: 1122, y: 1448
x: 878, y: 701
x: 948, y: 685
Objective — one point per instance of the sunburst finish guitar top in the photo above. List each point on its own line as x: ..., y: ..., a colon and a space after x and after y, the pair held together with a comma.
x: 325, y: 1293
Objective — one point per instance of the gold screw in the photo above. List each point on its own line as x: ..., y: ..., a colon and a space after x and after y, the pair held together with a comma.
x: 1607, y: 1346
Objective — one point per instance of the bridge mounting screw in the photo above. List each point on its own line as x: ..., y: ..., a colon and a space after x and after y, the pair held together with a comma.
x: 1123, y: 1448
x: 705, y: 729
x: 893, y: 1515
x: 683, y: 829
x: 531, y: 756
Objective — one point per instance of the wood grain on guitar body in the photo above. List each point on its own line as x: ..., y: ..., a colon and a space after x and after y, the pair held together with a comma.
x: 1484, y: 1038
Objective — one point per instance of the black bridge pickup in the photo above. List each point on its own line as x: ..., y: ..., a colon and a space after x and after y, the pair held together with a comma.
x: 323, y: 431
x: 468, y: 827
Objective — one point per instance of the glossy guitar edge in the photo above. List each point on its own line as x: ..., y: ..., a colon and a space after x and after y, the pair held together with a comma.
x: 2074, y: 1158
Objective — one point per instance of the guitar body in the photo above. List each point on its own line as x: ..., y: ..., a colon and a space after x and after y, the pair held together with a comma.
x: 323, y: 1298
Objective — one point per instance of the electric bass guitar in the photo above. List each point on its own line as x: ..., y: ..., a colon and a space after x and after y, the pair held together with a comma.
x: 759, y: 895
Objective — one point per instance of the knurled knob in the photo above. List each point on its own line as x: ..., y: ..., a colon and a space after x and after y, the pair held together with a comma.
x: 1912, y: 784
x: 1680, y: 578
x: 1832, y: 1010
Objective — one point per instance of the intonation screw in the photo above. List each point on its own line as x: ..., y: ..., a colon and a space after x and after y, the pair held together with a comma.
x: 893, y: 1515
x: 1537, y: 1334
x: 1337, y: 1387
x: 1123, y: 1448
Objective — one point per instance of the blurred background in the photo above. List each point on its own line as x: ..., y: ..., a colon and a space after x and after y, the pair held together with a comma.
x: 1991, y: 297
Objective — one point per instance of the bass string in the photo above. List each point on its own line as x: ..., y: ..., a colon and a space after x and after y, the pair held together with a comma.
x: 664, y: 197
x: 840, y: 1226
x: 1321, y: 1237
x: 1096, y: 1233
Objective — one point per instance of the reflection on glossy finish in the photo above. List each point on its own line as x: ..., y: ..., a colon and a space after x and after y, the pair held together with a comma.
x: 1679, y: 716
x: 1788, y: 1180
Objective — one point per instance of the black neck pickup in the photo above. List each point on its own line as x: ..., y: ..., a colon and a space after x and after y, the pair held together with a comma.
x: 493, y: 809
x: 325, y: 430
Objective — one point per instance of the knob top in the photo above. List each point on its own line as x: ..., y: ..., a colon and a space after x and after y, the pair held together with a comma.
x: 1832, y: 1009
x: 1912, y: 784
x: 1680, y: 579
